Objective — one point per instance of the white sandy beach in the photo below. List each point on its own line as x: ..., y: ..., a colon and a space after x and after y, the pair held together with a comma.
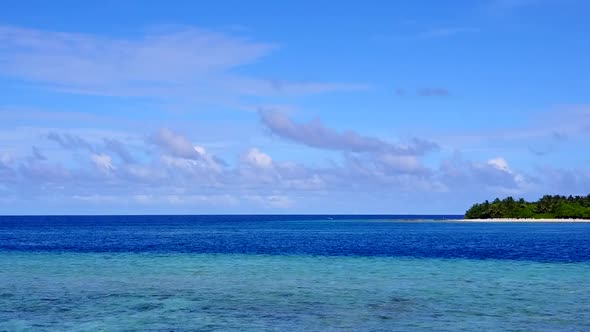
x: 524, y: 220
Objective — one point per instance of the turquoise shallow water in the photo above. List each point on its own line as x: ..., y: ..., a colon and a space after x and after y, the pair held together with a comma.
x: 209, y: 292
x: 291, y: 273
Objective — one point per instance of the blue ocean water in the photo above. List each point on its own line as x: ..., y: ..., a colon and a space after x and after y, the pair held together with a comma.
x: 292, y: 273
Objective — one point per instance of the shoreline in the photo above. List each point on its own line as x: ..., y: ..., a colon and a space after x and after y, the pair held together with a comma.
x: 525, y: 220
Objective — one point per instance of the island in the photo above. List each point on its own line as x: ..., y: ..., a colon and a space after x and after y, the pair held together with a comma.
x: 547, y: 207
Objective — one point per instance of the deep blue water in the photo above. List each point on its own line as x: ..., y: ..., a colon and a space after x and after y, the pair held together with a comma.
x: 390, y: 236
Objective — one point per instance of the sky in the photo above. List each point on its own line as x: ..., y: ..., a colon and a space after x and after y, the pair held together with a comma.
x: 286, y: 107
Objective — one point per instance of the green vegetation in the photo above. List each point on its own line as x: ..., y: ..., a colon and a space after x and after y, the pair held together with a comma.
x: 548, y: 207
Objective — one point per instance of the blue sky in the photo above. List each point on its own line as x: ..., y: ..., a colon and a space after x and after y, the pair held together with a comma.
x: 291, y: 107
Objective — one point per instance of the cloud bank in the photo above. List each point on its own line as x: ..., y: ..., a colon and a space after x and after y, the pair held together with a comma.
x: 315, y: 134
x: 189, y: 64
x: 177, y: 172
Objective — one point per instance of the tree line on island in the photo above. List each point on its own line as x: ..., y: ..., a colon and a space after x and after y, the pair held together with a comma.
x: 548, y: 207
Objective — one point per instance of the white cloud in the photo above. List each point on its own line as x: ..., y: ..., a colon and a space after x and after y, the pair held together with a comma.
x: 500, y: 164
x: 103, y: 162
x: 190, y: 166
x: 83, y: 60
x: 272, y: 201
x: 315, y: 134
x: 257, y: 158
x: 494, y: 175
x: 180, y: 153
x: 98, y: 199
x: 401, y: 164
x: 143, y: 173
x: 188, y: 64
x: 188, y: 199
x: 174, y: 144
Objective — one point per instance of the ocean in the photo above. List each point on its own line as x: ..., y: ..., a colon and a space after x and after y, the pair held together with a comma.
x: 291, y: 273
